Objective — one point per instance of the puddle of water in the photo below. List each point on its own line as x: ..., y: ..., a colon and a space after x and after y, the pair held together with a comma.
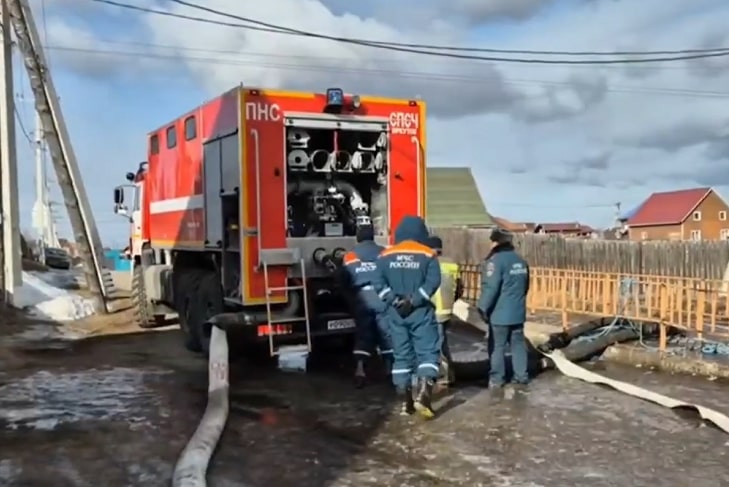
x: 46, y: 400
x: 9, y: 472
x: 44, y: 335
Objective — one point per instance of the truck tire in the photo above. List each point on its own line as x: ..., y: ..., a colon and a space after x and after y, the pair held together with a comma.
x: 207, y: 302
x: 470, y: 364
x: 186, y: 282
x: 141, y: 307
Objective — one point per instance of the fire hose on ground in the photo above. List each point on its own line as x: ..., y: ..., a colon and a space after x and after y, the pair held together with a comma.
x: 560, y: 352
x: 192, y: 465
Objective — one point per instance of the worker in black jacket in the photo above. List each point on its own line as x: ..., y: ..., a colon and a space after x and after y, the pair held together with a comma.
x: 502, y: 304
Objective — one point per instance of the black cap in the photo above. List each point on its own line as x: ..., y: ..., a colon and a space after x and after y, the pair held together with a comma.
x: 365, y: 233
x: 435, y: 242
x: 501, y: 236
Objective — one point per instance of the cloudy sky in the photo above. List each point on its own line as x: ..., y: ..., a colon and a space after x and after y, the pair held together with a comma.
x: 546, y: 143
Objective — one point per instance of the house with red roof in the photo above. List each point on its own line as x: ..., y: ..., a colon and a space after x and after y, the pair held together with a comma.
x: 687, y: 214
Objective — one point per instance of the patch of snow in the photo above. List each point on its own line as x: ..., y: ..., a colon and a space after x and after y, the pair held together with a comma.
x: 47, y: 301
x: 61, y: 279
x: 293, y: 358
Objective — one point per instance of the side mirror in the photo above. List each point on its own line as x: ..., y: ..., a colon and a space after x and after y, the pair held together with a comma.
x: 118, y: 196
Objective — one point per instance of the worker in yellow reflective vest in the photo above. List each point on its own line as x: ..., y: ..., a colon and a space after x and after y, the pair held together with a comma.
x: 449, y: 291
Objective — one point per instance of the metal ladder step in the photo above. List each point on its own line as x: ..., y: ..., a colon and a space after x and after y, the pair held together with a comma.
x: 287, y: 320
x: 273, y: 349
x: 284, y: 288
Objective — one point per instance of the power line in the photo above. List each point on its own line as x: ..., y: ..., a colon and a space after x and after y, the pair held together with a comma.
x: 422, y: 75
x: 340, y: 59
x: 26, y: 134
x: 389, y: 46
x: 436, y: 47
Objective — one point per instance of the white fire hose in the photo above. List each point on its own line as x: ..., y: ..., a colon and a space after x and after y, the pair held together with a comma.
x: 192, y: 466
x: 467, y: 313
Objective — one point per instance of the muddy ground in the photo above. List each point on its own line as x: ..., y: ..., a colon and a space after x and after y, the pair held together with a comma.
x: 116, y: 411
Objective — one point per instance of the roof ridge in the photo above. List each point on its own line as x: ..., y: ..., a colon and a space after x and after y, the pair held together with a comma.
x: 699, y: 188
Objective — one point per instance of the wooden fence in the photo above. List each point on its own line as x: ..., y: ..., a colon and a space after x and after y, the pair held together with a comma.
x: 696, y: 306
x: 701, y: 260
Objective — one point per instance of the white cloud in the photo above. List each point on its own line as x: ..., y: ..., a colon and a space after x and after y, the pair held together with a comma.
x: 266, y: 59
x: 567, y: 137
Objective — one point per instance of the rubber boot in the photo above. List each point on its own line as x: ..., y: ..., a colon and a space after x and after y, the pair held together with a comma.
x: 360, y: 376
x: 446, y: 375
x: 423, y: 399
x: 406, y: 400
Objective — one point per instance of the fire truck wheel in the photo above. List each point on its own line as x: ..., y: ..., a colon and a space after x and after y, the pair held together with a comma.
x: 142, y: 308
x: 185, y: 287
x: 206, y: 303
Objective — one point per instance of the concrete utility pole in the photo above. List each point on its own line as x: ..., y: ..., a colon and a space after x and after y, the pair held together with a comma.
x: 42, y: 216
x: 39, y: 209
x: 12, y: 271
x: 62, y: 155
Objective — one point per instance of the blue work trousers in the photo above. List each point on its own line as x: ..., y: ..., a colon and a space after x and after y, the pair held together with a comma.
x: 513, y: 337
x: 416, y: 343
x: 371, y: 333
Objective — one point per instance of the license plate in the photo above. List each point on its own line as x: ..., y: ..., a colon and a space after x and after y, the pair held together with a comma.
x: 340, y: 324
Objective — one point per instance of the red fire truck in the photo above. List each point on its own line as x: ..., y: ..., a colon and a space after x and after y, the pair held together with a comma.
x: 246, y: 203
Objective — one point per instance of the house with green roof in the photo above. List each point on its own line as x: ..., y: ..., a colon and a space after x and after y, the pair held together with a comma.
x: 453, y: 199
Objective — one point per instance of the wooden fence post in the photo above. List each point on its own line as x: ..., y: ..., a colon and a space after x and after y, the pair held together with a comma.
x: 662, y: 327
x: 563, y: 299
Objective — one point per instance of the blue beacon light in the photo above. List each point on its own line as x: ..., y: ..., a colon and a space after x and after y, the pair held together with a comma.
x: 335, y: 97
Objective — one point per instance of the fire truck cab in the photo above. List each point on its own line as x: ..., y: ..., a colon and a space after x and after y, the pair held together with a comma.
x: 247, y: 204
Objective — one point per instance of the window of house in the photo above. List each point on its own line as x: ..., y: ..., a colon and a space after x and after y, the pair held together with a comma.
x: 171, y: 137
x: 190, y: 128
x: 724, y: 234
x: 644, y: 235
x: 696, y: 235
x: 697, y: 216
x: 154, y: 144
x: 722, y: 216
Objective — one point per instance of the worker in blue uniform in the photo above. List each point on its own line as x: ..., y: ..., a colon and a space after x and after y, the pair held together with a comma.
x: 371, y: 331
x: 408, y: 277
x: 502, y: 304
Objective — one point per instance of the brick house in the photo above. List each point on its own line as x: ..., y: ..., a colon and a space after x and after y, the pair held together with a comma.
x: 689, y: 214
